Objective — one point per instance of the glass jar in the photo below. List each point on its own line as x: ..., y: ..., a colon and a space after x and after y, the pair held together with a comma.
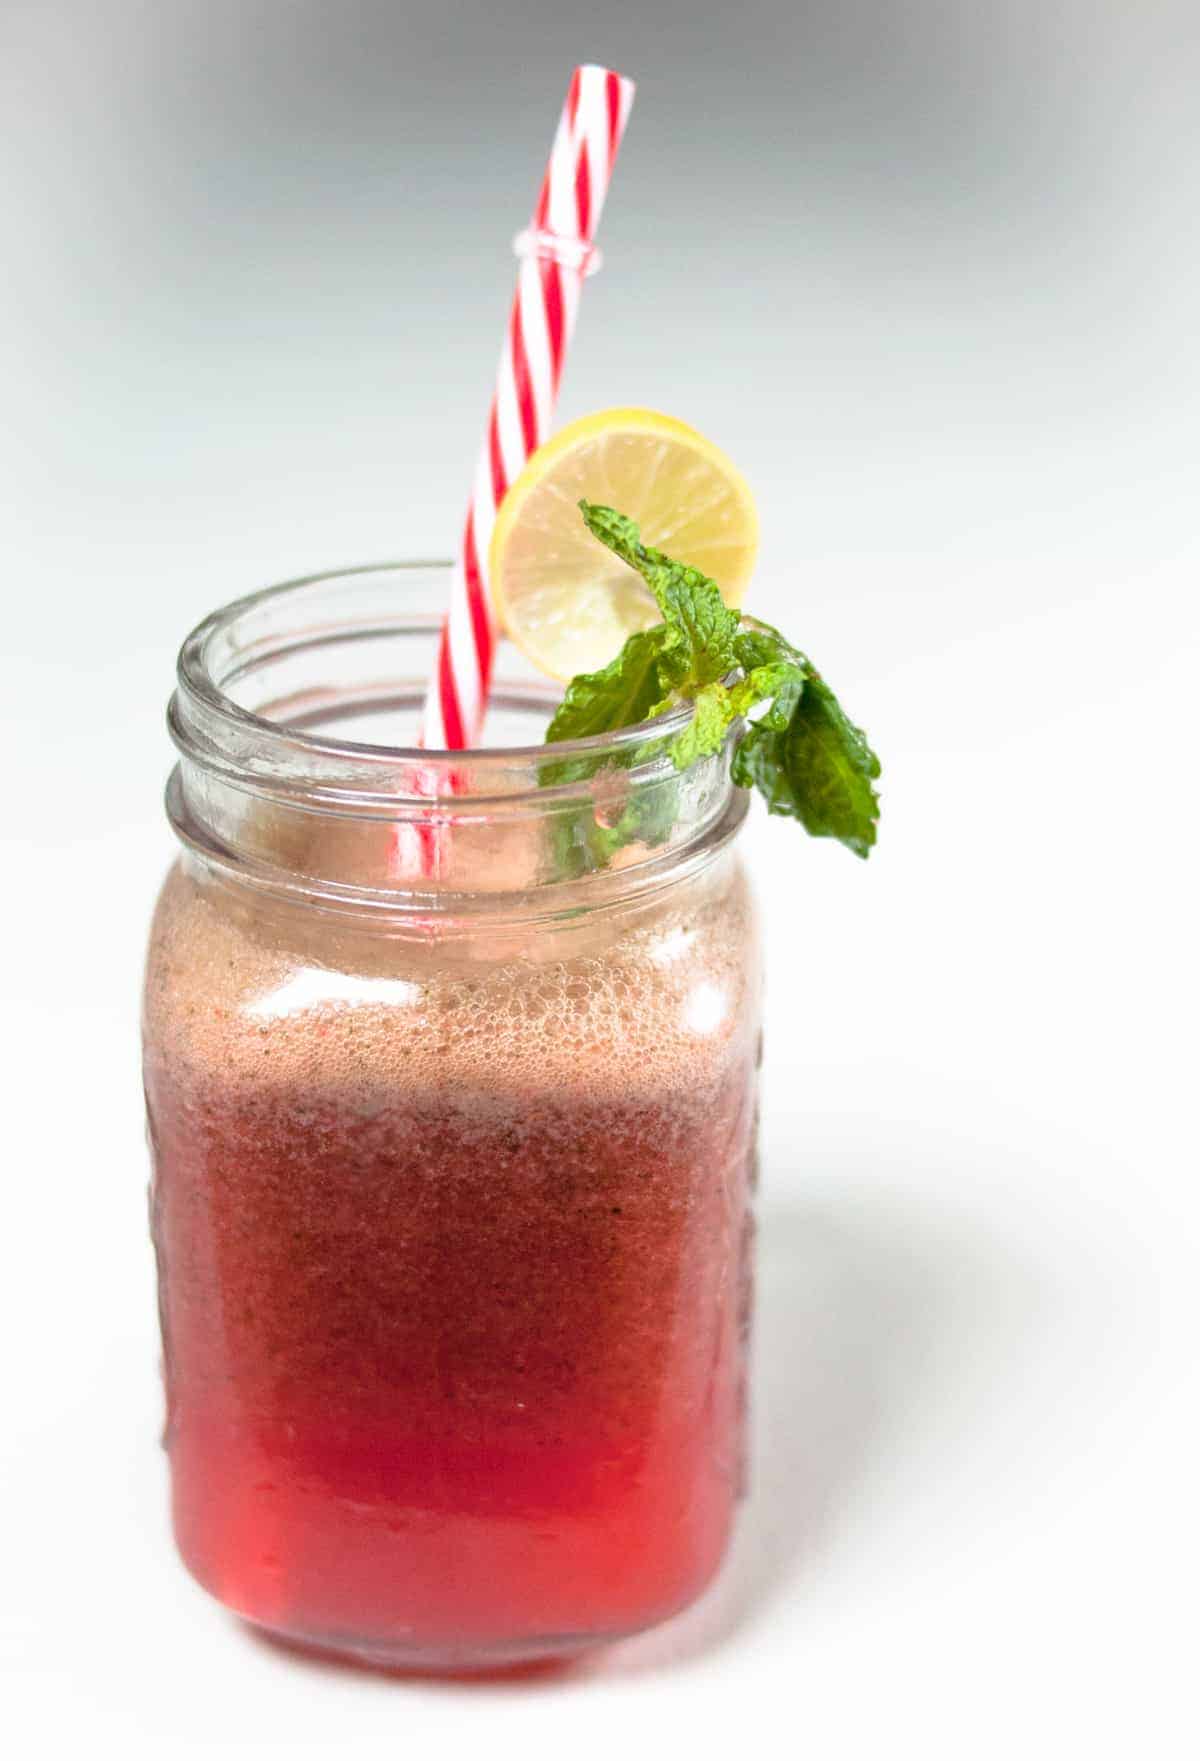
x: 450, y: 1070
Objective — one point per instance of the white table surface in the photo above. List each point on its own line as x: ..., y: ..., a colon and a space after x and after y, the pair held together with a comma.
x: 967, y: 397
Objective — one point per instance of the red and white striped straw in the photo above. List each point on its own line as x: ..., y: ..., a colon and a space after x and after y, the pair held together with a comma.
x: 556, y: 253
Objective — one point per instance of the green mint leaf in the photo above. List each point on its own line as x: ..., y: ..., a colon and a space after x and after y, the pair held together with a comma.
x: 815, y: 767
x: 621, y: 534
x: 626, y: 691
x: 757, y: 644
x: 705, y: 733
x: 693, y: 606
x: 780, y: 680
x: 716, y: 707
x: 690, y: 602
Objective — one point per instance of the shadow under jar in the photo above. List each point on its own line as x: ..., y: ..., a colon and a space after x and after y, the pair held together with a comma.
x: 450, y: 1069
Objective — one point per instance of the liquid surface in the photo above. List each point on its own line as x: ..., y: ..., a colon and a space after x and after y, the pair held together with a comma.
x: 453, y: 1270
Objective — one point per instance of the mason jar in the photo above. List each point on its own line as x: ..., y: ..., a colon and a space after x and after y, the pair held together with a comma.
x: 450, y: 1067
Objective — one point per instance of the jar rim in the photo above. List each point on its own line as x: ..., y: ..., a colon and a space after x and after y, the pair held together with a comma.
x: 201, y: 689
x: 259, y: 678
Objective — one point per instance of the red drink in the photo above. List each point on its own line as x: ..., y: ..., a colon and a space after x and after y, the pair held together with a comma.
x: 453, y: 1278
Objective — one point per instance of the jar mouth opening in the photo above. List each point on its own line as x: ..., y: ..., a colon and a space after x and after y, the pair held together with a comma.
x: 285, y: 781
x: 253, y: 633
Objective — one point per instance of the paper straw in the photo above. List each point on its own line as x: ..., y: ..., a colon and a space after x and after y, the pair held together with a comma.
x: 556, y: 254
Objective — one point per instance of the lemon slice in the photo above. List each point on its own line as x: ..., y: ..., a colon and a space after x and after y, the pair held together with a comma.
x: 568, y: 603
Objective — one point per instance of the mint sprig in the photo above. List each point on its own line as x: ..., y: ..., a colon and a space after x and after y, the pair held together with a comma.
x: 803, y: 754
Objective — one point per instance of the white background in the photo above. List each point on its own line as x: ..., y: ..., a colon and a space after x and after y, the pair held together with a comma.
x: 930, y: 272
